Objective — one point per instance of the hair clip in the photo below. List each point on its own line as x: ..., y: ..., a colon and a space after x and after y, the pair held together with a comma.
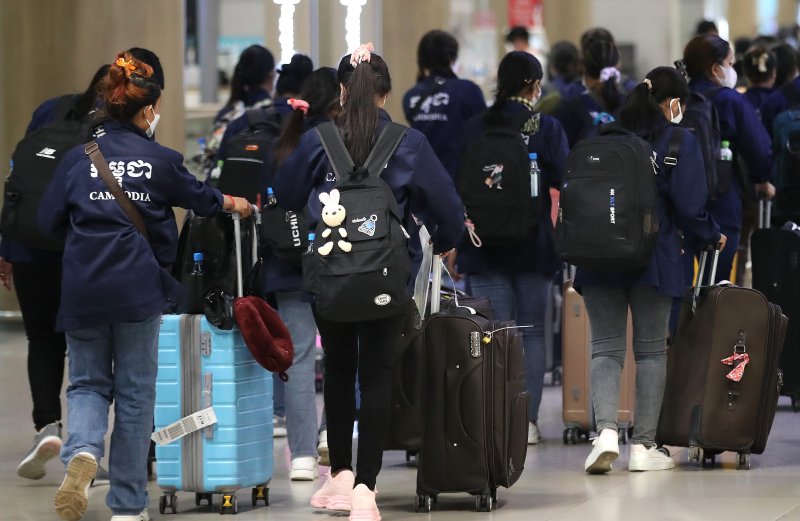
x: 126, y: 64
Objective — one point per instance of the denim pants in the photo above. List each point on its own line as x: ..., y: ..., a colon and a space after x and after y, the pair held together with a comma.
x: 607, y: 307
x: 298, y: 395
x: 114, y: 363
x: 521, y: 297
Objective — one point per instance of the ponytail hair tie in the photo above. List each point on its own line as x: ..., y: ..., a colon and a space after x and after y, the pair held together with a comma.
x: 609, y: 73
x: 362, y: 54
x: 762, y: 62
x: 649, y: 85
x: 298, y: 104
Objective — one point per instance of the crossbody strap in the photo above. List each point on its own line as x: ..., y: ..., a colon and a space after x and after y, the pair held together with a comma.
x: 100, y: 163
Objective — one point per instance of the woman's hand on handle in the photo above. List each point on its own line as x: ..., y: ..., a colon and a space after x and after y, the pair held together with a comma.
x: 238, y: 205
x: 723, y: 240
x: 766, y: 190
x: 5, y: 273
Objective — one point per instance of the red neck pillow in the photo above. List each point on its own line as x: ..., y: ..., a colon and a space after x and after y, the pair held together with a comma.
x: 265, y: 334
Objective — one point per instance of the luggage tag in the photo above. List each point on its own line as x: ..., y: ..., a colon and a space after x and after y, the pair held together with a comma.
x: 739, y: 359
x: 189, y: 424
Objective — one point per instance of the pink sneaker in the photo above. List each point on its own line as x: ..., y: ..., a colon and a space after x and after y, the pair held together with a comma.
x: 335, y: 492
x: 363, y: 505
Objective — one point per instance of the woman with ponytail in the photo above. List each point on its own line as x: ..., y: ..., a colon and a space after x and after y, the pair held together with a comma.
x: 421, y: 185
x: 517, y: 279
x: 652, y: 112
x: 603, y: 97
x: 114, y: 286
x: 761, y: 70
x: 708, y: 62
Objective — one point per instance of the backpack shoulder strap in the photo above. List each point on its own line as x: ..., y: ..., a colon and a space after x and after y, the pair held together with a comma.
x: 387, y: 143
x: 673, y: 151
x: 335, y: 149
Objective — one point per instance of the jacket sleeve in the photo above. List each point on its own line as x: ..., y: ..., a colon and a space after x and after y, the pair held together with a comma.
x: 688, y: 193
x: 435, y: 200
x: 753, y: 141
x: 53, y: 218
x: 474, y: 102
x: 556, y: 152
x: 186, y: 191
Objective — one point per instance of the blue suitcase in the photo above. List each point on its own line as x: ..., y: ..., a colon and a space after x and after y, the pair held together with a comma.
x: 201, y: 366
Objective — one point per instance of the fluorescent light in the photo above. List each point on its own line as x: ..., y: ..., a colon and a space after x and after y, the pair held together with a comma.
x: 286, y: 29
x: 352, y: 23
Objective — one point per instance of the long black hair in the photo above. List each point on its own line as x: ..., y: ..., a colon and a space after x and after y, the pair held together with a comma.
x: 359, y: 117
x: 321, y: 91
x: 642, y: 113
x: 436, y: 53
x: 255, y: 65
x: 599, y: 55
x: 516, y: 75
x: 292, y: 75
x: 88, y: 99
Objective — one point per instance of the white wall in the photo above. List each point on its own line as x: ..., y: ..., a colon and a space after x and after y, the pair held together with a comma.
x: 241, y: 18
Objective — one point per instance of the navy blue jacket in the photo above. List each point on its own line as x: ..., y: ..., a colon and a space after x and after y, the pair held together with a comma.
x: 581, y: 115
x: 778, y: 102
x: 682, y: 197
x: 110, y: 272
x: 239, y: 124
x: 567, y: 89
x: 758, y: 96
x: 414, y: 173
x: 11, y: 250
x: 251, y: 98
x: 442, y: 115
x: 537, y: 253
x: 739, y: 124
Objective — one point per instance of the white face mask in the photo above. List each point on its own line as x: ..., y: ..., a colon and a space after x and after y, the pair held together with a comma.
x: 151, y: 125
x: 730, y: 79
x: 673, y: 118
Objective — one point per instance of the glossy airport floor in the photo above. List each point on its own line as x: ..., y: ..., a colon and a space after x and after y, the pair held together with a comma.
x: 553, y: 486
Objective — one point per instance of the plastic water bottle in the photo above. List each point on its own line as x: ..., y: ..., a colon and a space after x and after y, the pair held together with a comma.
x: 534, y: 174
x: 725, y: 152
x: 197, y: 267
x: 217, y: 171
x: 271, y: 200
x: 311, y: 237
x: 201, y: 142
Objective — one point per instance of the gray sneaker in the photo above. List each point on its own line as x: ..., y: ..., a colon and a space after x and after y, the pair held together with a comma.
x: 101, y: 478
x: 46, y: 446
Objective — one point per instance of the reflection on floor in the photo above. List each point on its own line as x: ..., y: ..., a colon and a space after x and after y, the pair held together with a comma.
x: 553, y: 486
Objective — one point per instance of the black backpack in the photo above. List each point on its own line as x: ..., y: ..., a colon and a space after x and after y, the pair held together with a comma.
x: 702, y: 118
x: 608, y: 210
x: 34, y: 163
x: 360, y: 269
x: 246, y: 153
x: 285, y: 232
x: 495, y: 186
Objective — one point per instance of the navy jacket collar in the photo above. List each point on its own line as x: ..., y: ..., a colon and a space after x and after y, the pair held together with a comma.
x: 116, y: 124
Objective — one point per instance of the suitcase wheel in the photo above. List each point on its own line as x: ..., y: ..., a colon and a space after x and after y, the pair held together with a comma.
x: 423, y: 503
x: 168, y: 502
x: 743, y: 461
x: 230, y: 504
x: 484, y: 503
x: 260, y: 493
x: 709, y: 460
x: 200, y: 497
x: 624, y: 436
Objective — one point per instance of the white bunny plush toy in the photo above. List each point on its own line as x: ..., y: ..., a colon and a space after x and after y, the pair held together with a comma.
x: 333, y: 215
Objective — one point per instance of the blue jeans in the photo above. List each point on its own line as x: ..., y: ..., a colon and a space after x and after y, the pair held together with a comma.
x: 299, y: 393
x: 114, y: 363
x: 607, y: 307
x: 521, y: 297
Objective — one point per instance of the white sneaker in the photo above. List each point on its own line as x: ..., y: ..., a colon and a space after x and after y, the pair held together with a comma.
x: 322, y: 449
x: 534, y: 436
x: 642, y: 459
x: 141, y: 516
x: 278, y: 427
x: 304, y: 469
x: 72, y: 498
x: 604, y: 452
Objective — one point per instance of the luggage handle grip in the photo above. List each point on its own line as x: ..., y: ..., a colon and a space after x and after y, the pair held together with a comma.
x: 701, y: 271
x: 764, y: 212
x: 237, y: 234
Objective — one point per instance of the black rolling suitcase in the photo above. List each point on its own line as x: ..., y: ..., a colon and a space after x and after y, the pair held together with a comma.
x: 776, y: 274
x: 722, y: 372
x: 475, y: 411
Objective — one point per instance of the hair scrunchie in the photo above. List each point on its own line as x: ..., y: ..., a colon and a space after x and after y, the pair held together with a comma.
x: 298, y: 104
x: 127, y: 66
x: 649, y: 85
x: 608, y: 73
x: 362, y: 54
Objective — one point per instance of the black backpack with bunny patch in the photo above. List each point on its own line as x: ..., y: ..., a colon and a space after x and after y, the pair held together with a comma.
x: 358, y: 267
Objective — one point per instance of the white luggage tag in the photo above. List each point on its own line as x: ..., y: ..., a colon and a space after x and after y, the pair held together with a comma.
x: 179, y: 429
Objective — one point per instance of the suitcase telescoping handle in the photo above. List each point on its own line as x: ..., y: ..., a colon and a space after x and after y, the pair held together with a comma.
x: 764, y: 213
x: 237, y: 236
x: 701, y: 271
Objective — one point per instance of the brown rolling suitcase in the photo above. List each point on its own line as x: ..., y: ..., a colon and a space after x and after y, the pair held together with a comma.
x: 723, y: 379
x: 578, y: 412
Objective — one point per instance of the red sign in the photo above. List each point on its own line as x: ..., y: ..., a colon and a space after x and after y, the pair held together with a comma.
x: 522, y: 12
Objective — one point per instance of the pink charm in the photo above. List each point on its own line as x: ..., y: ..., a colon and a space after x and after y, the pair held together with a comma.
x: 739, y: 361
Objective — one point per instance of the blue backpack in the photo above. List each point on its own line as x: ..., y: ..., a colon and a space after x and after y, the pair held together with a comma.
x: 786, y: 148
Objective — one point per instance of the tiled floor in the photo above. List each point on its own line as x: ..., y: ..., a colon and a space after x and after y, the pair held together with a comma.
x: 553, y: 486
